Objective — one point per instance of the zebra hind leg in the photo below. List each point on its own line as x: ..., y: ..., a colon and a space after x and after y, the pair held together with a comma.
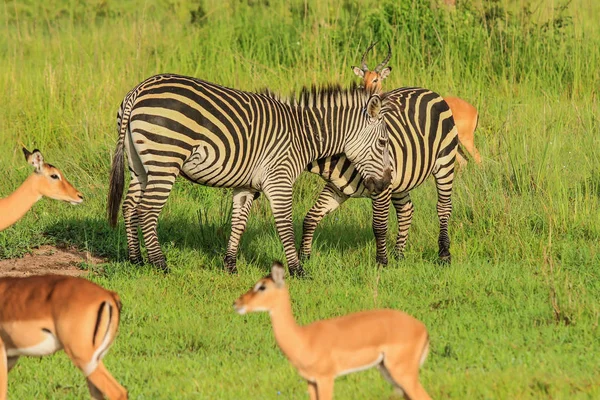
x: 329, y: 199
x: 242, y: 202
x: 404, y: 212
x: 137, y: 185
x: 130, y: 215
x: 154, y: 198
x: 444, y: 178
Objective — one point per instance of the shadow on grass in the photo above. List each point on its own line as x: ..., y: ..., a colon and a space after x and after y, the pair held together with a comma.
x: 97, y: 237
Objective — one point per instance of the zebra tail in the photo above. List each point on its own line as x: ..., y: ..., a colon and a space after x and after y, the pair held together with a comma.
x: 117, y: 173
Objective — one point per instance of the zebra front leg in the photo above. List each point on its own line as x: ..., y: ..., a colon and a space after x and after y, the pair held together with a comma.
x: 381, y: 209
x: 242, y: 202
x: 404, y: 211
x: 153, y: 200
x: 444, y: 178
x: 280, y: 197
x: 329, y: 199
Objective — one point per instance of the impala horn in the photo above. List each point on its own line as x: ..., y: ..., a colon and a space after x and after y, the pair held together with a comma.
x: 363, y: 62
x: 387, y: 59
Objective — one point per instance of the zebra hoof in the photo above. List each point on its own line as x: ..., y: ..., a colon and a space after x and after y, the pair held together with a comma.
x: 298, y: 272
x: 230, y: 265
x: 398, y: 255
x: 383, y: 261
x: 232, y: 269
x: 161, y: 266
x: 445, y: 259
x: 304, y: 256
x: 136, y: 261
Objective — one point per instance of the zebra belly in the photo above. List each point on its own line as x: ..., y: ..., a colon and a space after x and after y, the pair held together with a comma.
x: 204, y: 167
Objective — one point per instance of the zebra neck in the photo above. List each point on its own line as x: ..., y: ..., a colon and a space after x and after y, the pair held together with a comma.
x: 319, y: 135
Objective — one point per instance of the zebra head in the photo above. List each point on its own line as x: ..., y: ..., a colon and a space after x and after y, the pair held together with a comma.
x: 368, y: 147
x: 372, y: 79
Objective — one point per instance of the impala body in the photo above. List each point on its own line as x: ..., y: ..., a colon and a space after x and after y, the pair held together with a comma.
x: 391, y: 340
x: 40, y: 315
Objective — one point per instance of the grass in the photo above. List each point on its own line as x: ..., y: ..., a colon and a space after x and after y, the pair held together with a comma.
x: 514, y: 316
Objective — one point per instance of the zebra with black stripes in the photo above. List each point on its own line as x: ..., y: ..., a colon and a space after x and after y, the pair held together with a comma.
x: 172, y: 125
x: 423, y: 142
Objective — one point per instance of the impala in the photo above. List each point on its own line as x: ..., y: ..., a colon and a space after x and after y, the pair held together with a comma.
x: 46, y: 180
x: 40, y: 315
x: 391, y: 340
x: 465, y: 115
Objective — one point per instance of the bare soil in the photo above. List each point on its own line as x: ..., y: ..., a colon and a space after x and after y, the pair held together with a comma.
x: 49, y: 260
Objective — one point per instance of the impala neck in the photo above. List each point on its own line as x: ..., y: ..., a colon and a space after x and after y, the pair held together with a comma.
x: 13, y: 207
x: 288, y: 334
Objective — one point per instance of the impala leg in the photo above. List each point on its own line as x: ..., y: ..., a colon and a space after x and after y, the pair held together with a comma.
x: 242, y: 202
x: 404, y: 211
x: 325, y: 389
x: 280, y: 198
x: 101, y: 382
x: 312, y: 391
x: 3, y: 372
x: 381, y: 208
x: 404, y: 378
x: 154, y: 198
x: 329, y: 199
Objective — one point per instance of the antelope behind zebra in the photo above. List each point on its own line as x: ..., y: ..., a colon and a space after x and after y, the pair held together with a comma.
x: 465, y: 114
x: 172, y: 125
x: 423, y: 142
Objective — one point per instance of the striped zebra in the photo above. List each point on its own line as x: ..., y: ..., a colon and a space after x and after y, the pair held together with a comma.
x: 423, y: 142
x: 172, y: 125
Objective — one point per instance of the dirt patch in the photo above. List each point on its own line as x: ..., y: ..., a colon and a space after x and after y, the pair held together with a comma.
x: 49, y: 260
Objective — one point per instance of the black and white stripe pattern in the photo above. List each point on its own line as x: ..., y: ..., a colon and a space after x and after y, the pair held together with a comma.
x: 423, y: 142
x: 173, y: 125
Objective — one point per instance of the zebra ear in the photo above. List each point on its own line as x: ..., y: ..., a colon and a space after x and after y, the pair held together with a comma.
x: 359, y: 72
x: 374, y: 106
x: 385, y: 72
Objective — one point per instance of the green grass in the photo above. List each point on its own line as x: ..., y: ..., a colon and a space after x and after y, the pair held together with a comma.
x: 514, y: 316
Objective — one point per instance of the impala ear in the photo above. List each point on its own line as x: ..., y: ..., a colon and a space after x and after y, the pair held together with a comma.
x: 277, y: 274
x: 374, y: 106
x: 36, y: 158
x: 359, y: 72
x: 385, y: 72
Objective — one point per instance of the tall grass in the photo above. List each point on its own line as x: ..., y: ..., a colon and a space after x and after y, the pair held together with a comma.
x: 516, y: 315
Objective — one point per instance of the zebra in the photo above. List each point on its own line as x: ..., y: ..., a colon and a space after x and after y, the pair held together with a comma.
x: 172, y: 125
x: 423, y: 142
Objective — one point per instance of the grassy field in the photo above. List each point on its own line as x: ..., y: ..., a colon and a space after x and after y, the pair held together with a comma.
x: 515, y: 315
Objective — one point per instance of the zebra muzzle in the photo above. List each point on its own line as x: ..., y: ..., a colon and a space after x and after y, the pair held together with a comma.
x: 375, y: 186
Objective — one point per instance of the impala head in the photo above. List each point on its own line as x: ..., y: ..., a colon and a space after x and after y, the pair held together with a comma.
x: 49, y: 181
x: 372, y: 161
x: 264, y: 294
x: 372, y: 79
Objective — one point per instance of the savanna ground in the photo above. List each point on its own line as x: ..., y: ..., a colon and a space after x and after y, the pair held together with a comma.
x: 514, y: 316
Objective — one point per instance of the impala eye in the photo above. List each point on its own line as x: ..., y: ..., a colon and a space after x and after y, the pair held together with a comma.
x: 54, y: 176
x: 262, y: 288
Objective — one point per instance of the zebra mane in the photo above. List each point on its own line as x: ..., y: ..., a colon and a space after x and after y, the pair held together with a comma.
x: 323, y: 96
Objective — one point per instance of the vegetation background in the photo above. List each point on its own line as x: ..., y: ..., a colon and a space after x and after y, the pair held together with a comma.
x: 514, y: 316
